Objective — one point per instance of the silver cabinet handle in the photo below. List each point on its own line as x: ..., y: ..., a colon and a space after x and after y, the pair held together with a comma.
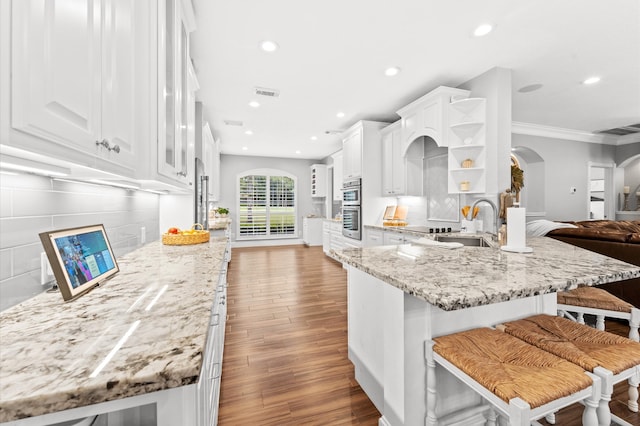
x: 105, y: 143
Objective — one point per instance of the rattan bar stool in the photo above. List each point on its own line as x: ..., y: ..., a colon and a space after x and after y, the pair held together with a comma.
x: 598, y: 302
x: 613, y: 358
x: 518, y: 380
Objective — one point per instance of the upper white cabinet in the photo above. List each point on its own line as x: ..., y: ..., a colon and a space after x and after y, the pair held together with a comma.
x: 72, y: 90
x: 352, y: 153
x: 175, y: 23
x: 337, y: 175
x: 393, y: 167
x: 318, y: 180
x: 211, y: 154
x: 467, y: 146
x: 428, y: 116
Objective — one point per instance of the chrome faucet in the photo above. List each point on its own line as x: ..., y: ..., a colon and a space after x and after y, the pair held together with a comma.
x: 495, y: 211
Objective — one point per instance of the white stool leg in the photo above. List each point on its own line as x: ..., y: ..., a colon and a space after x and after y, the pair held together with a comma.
x: 590, y: 415
x: 491, y: 417
x: 633, y: 393
x: 431, y: 419
x: 634, y: 322
x: 551, y: 418
x: 580, y: 317
x: 600, y: 322
x: 520, y: 413
x: 606, y: 383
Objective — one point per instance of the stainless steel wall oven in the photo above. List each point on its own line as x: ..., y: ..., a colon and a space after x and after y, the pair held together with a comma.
x: 352, y: 209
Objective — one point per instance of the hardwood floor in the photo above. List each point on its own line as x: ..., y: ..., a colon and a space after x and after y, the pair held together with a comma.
x: 285, y: 357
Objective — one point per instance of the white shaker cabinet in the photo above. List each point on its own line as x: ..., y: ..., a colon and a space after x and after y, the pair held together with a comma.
x: 352, y: 154
x: 175, y: 22
x: 72, y: 91
x: 393, y: 167
x: 337, y: 175
x: 211, y: 154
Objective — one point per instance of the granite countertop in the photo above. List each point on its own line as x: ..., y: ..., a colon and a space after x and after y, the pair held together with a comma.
x: 473, y: 276
x: 162, y: 297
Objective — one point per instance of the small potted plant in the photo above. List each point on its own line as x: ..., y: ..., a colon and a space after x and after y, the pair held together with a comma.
x: 222, y: 211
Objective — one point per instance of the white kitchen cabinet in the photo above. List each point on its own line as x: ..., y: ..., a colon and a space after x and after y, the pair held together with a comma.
x: 175, y: 23
x: 312, y: 231
x: 393, y: 161
x: 338, y: 175
x: 318, y: 180
x: 73, y: 81
x: 352, y: 153
x: 326, y: 236
x: 211, y: 154
x: 392, y: 238
x: 429, y: 116
x: 373, y: 237
x: 467, y: 147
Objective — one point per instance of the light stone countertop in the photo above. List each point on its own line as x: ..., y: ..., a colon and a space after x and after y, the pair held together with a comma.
x: 49, y: 348
x: 473, y: 276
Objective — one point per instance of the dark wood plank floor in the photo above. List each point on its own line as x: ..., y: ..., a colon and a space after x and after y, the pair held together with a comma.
x: 285, y: 359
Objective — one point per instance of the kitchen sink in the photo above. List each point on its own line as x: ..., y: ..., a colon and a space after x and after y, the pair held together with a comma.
x: 467, y: 241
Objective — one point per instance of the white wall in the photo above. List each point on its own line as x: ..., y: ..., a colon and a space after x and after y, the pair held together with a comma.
x: 32, y: 204
x: 566, y: 166
x: 232, y: 165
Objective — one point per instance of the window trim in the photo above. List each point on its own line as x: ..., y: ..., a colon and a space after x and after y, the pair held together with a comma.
x: 269, y: 173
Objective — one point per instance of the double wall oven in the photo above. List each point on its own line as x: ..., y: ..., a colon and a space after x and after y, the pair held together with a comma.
x: 351, y: 209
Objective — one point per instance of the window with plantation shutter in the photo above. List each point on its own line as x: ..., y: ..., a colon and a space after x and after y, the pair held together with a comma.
x: 266, y: 205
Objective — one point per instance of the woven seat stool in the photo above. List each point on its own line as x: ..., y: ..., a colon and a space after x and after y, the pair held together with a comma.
x: 614, y: 358
x: 518, y: 380
x: 602, y: 304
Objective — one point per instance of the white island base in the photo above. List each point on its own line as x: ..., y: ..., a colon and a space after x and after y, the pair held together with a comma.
x: 388, y: 329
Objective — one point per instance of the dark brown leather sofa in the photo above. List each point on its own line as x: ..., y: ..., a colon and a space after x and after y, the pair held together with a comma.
x: 618, y: 239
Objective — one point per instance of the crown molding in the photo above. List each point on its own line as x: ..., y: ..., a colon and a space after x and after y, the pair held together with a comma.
x: 628, y: 139
x: 560, y: 133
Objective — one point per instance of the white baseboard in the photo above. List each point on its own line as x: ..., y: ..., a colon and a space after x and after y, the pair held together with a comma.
x: 267, y: 243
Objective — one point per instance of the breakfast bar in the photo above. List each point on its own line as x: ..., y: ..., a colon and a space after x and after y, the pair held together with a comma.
x: 401, y: 296
x: 151, y: 336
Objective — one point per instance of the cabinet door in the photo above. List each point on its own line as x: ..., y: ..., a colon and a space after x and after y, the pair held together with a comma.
x: 172, y: 82
x: 118, y: 93
x: 211, y: 156
x: 338, y: 176
x: 56, y: 71
x: 352, y: 150
x: 387, y: 164
x: 398, y: 169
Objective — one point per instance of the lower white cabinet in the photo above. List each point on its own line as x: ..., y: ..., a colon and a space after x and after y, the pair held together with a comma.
x: 392, y: 238
x: 312, y: 231
x: 208, y: 387
x: 332, y: 238
x: 373, y: 237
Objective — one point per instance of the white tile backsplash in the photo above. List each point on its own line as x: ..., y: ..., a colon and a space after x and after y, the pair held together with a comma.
x: 34, y: 204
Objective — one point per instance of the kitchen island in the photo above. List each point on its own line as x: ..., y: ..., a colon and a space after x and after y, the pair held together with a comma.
x: 151, y: 336
x: 401, y: 296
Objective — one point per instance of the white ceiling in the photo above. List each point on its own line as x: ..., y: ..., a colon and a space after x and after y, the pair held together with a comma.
x: 333, y: 54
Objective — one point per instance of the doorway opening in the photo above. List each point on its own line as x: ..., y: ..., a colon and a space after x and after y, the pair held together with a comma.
x: 600, y: 203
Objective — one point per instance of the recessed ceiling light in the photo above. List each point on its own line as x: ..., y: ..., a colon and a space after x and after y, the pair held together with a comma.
x: 254, y: 104
x: 591, y: 80
x: 248, y: 132
x: 392, y: 71
x: 340, y: 114
x: 298, y: 151
x: 482, y: 30
x: 244, y: 148
x: 314, y: 138
x: 269, y: 46
x: 530, y: 88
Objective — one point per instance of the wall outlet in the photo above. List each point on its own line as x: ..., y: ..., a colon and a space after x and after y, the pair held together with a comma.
x: 143, y: 235
x: 46, y: 274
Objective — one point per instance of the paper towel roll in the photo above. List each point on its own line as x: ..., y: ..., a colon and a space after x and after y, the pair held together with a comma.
x: 516, y: 227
